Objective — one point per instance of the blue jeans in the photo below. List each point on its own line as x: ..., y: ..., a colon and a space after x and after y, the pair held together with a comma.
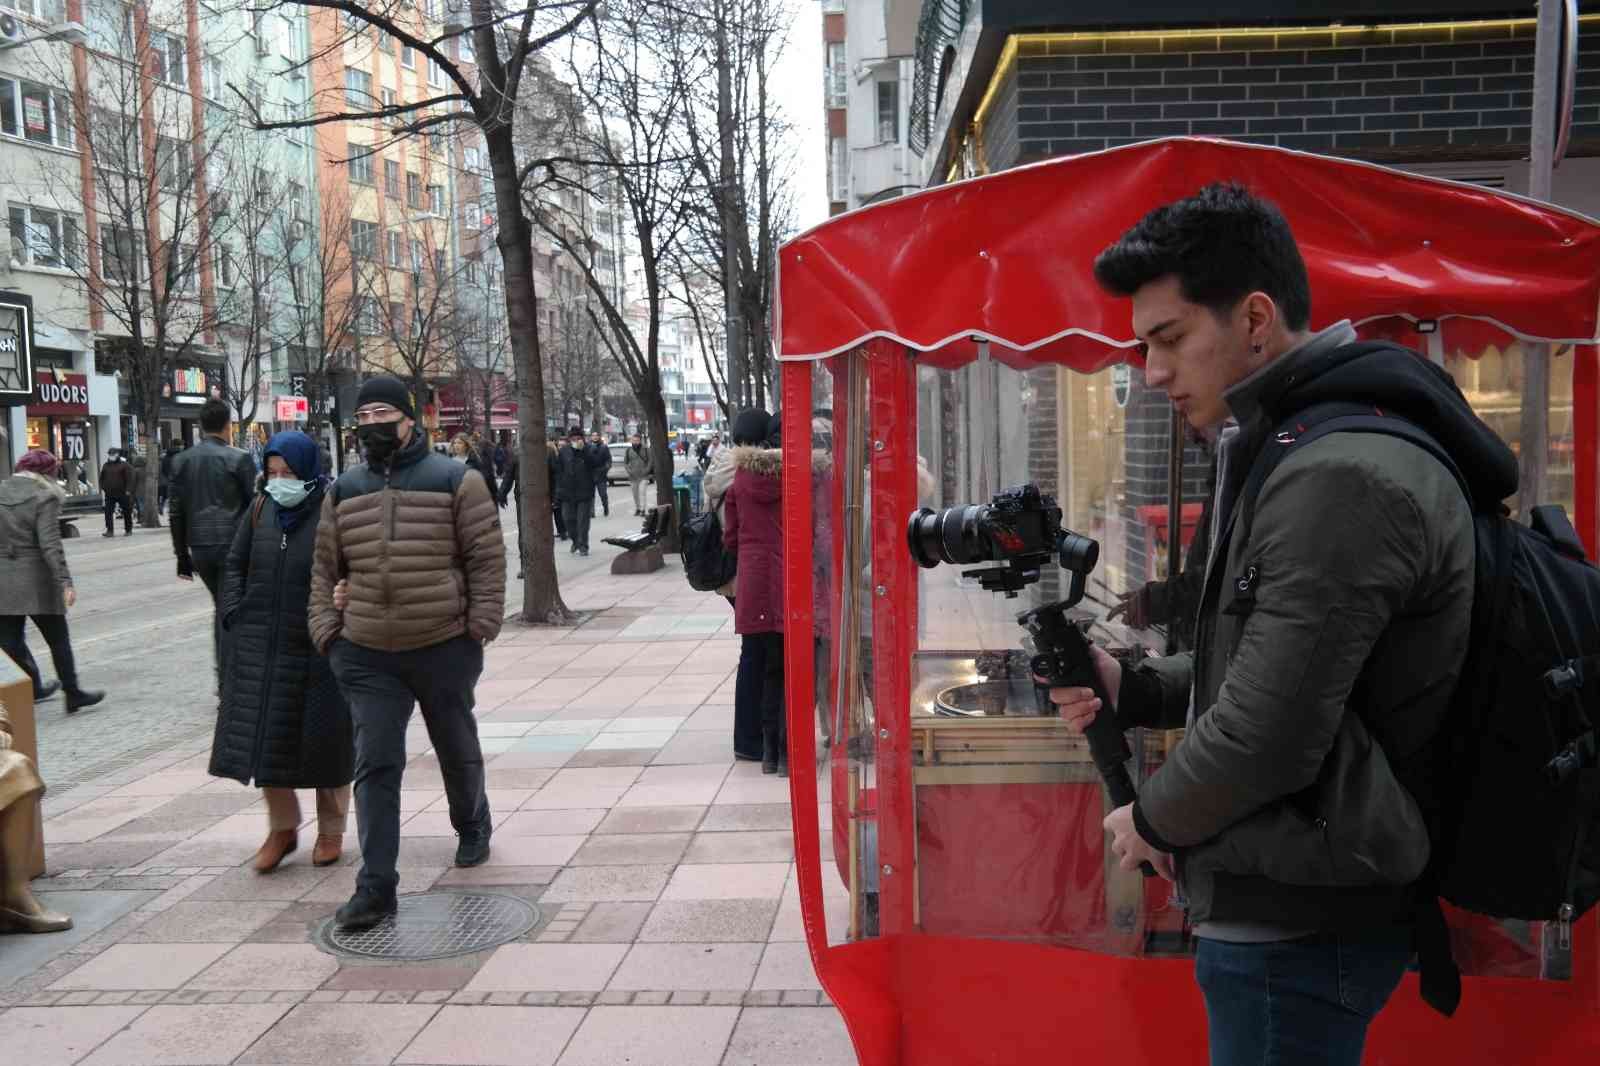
x: 1304, y: 1002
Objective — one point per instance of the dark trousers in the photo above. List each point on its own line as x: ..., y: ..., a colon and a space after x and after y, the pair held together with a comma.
x: 561, y: 521
x: 577, y: 514
x: 381, y: 688
x: 210, y: 574
x: 605, y: 501
x: 54, y: 629
x: 1307, y: 1001
x: 748, y: 687
x: 111, y: 505
x: 773, y: 721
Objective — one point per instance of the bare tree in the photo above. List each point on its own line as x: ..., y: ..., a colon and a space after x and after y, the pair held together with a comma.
x: 323, y: 301
x: 153, y: 174
x: 628, y: 95
x: 481, y: 93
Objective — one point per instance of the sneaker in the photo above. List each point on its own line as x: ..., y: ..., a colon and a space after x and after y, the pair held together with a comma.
x: 583, y: 552
x: 473, y: 850
x: 365, y: 910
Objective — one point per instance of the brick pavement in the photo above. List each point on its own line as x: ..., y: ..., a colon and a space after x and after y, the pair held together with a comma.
x: 669, y: 929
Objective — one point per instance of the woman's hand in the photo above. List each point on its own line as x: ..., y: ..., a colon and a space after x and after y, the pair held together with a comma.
x: 70, y: 594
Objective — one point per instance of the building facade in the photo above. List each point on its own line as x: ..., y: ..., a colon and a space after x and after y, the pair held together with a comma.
x: 866, y: 100
x: 1441, y: 88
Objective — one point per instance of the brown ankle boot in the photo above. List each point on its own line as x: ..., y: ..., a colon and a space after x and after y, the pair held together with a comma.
x: 328, y: 849
x: 279, y: 843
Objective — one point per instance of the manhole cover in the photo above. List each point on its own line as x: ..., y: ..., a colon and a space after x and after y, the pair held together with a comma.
x: 435, y: 925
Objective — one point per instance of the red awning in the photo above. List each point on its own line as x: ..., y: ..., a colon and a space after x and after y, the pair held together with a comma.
x: 1008, y: 258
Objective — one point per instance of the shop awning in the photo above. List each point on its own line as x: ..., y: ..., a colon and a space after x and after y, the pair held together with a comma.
x: 1008, y: 258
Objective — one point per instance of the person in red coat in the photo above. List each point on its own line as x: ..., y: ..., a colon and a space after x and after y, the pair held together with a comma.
x: 753, y: 531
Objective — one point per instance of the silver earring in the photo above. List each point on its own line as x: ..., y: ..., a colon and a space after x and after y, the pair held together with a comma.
x: 1256, y: 349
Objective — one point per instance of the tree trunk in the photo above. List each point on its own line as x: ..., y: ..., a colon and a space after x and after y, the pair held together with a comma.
x: 541, y: 592
x: 151, y: 519
x: 655, y: 414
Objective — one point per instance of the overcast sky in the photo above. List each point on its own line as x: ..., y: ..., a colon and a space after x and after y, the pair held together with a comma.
x: 798, y: 84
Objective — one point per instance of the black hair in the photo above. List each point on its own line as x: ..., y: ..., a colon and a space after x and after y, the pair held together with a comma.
x: 1223, y: 243
x: 214, y: 416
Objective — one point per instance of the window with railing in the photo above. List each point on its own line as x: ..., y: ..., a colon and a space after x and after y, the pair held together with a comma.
x: 838, y: 170
x: 889, y: 112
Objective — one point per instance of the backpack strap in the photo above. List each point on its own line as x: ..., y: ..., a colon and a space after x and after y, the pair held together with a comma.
x: 1316, y: 422
x: 255, y: 512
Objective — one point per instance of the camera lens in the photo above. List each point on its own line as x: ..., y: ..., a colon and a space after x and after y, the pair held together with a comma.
x: 949, y: 536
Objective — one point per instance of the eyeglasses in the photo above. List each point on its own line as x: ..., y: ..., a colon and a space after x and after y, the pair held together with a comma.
x: 377, y: 413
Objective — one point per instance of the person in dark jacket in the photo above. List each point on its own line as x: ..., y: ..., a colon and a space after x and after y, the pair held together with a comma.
x: 116, y: 482
x: 577, y: 468
x: 407, y: 589
x: 463, y: 449
x: 511, y: 489
x: 1332, y: 632
x: 284, y: 723
x: 34, y: 580
x: 753, y: 530
x: 212, y: 484
x: 164, y: 489
x: 601, y: 452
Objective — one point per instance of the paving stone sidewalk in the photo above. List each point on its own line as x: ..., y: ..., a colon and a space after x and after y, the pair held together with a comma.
x: 669, y: 930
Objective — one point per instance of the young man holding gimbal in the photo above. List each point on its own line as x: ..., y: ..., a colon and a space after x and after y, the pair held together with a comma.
x: 1330, y: 632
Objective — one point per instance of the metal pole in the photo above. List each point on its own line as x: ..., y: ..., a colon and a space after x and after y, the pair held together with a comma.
x: 1534, y: 435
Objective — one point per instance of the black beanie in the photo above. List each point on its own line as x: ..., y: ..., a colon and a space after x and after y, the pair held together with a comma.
x: 751, y: 426
x: 386, y: 389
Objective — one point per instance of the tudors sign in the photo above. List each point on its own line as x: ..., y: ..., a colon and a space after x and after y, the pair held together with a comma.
x: 55, y: 393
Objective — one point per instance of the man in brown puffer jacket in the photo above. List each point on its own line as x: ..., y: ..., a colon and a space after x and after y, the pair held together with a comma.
x: 407, y: 587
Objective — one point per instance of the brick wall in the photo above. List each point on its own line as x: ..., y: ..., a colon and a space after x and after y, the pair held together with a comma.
x: 1145, y: 442
x: 1374, y: 94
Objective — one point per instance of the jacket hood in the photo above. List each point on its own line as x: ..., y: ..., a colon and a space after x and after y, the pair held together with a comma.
x: 25, y: 485
x: 768, y: 462
x: 1398, y: 381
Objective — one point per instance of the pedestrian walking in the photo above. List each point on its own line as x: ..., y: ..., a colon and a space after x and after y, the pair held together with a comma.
x: 164, y: 487
x: 141, y: 467
x: 116, y: 480
x: 552, y: 452
x: 407, y: 588
x: 637, y: 462
x: 1338, y: 629
x: 601, y: 452
x: 464, y: 450
x: 753, y: 531
x: 212, y: 484
x: 577, y: 467
x: 34, y: 580
x: 283, y: 724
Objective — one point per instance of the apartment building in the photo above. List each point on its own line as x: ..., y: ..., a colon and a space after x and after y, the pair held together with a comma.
x: 866, y: 98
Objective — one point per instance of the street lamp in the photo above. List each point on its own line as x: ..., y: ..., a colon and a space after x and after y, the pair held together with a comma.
x: 11, y: 35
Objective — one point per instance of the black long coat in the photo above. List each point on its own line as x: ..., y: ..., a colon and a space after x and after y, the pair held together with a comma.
x: 283, y: 722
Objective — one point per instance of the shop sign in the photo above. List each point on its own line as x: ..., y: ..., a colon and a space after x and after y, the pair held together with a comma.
x: 56, y: 393
x: 1121, y: 383
x: 73, y: 448
x: 293, y: 408
x: 16, y: 348
x: 188, y: 385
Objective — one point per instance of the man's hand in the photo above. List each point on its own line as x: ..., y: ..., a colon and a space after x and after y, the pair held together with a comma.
x: 1130, y: 848
x: 341, y: 595
x: 1078, y: 706
x: 70, y: 594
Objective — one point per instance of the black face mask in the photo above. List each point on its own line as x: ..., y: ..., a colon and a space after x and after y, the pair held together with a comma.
x: 380, y: 439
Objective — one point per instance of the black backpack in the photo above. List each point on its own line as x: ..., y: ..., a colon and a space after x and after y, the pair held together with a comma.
x: 1510, y: 784
x: 706, y: 562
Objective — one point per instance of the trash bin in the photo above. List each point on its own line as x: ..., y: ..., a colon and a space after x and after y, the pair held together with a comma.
x: 680, y: 504
x: 695, y: 476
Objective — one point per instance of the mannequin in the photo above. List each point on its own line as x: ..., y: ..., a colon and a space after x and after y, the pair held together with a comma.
x: 20, y: 789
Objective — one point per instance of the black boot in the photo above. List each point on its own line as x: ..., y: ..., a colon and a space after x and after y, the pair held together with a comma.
x: 365, y: 910
x: 769, y: 751
x: 77, y: 699
x: 46, y: 691
x: 473, y: 848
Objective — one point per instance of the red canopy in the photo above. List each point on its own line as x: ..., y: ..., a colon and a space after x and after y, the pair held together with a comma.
x: 1008, y: 258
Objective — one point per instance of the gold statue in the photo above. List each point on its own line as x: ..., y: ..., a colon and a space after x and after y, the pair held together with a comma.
x: 20, y: 788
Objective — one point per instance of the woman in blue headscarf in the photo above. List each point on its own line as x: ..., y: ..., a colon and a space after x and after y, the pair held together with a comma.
x: 283, y: 724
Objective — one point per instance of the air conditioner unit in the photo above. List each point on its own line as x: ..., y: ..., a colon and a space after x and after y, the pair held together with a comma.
x: 11, y: 27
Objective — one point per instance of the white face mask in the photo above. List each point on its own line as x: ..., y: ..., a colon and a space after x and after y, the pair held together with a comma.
x: 287, y: 492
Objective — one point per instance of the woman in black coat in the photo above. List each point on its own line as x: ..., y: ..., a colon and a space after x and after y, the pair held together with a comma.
x: 283, y: 722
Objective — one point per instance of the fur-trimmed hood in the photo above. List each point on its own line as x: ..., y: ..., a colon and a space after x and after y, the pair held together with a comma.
x: 767, y: 462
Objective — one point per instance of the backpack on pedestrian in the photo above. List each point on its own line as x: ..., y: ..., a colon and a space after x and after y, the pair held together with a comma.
x: 1509, y: 784
x: 706, y: 563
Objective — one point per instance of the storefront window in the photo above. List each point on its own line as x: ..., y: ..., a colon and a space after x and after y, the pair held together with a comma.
x: 1492, y: 381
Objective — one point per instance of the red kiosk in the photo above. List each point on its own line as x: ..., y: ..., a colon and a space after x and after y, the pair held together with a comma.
x: 935, y: 349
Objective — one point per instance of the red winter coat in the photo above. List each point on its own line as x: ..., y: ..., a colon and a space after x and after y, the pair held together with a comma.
x: 752, y: 528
